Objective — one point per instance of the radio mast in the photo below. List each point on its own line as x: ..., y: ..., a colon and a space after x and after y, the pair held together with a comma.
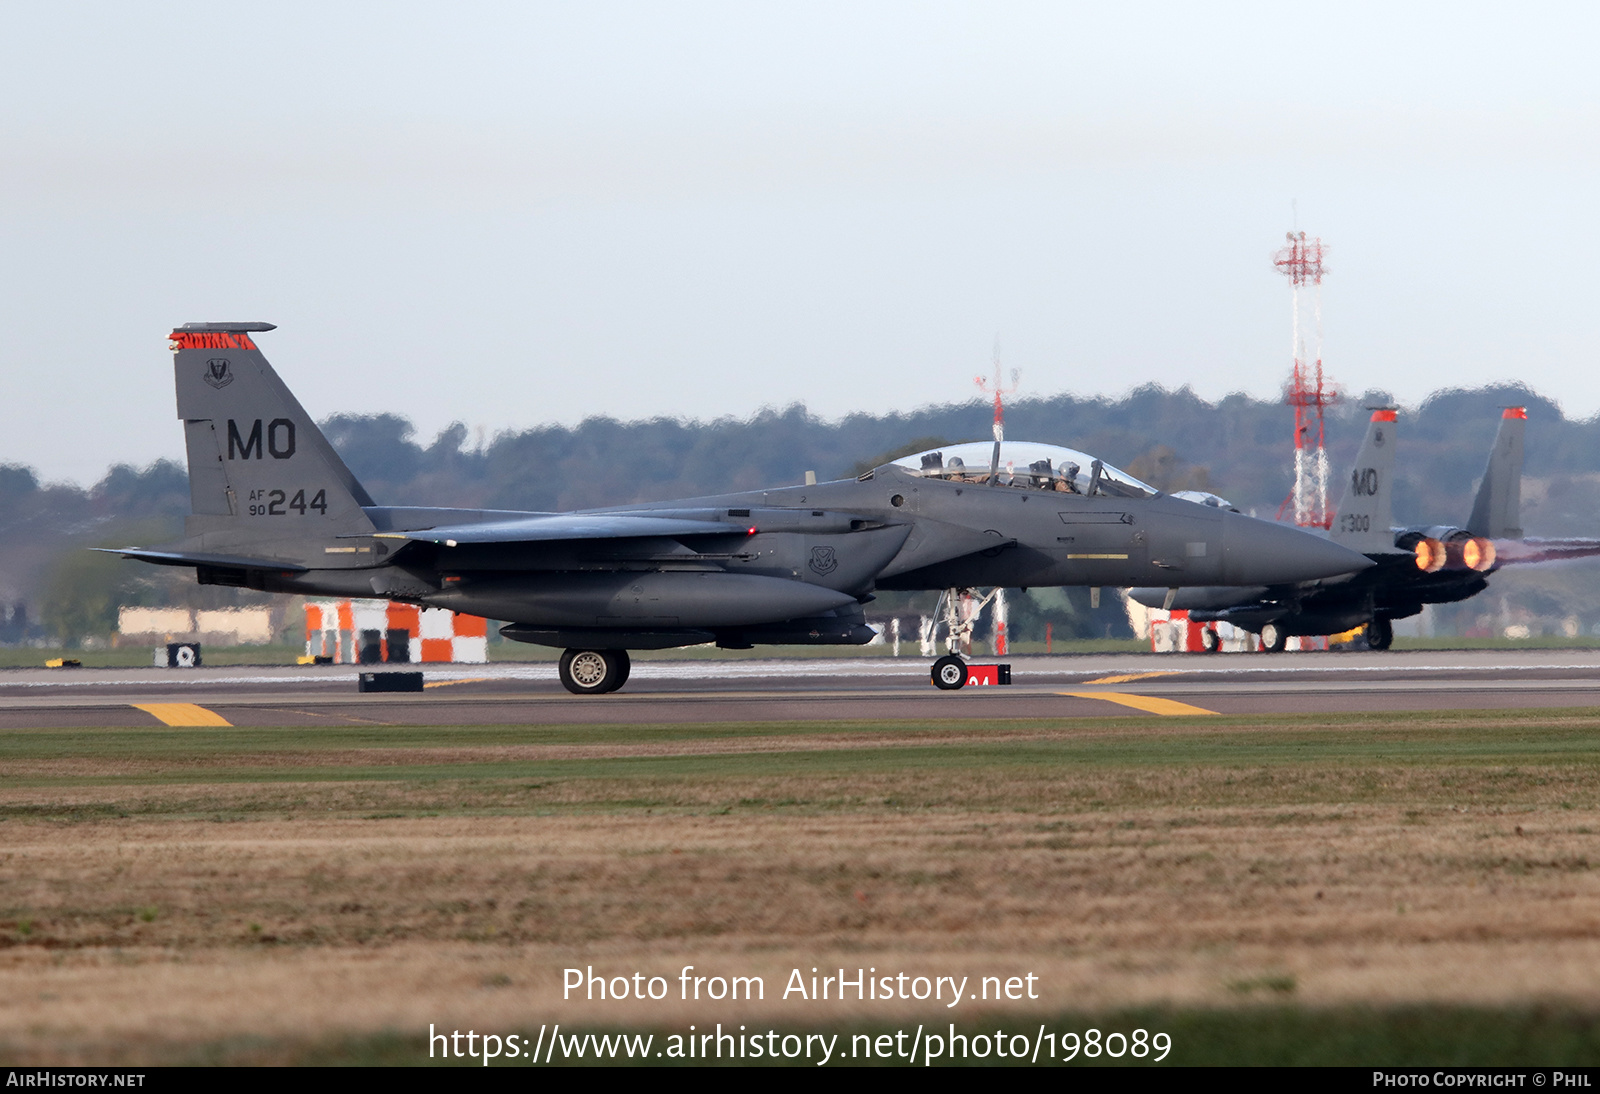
x: 1308, y: 391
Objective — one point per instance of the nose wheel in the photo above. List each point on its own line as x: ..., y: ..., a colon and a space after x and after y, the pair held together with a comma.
x: 594, y: 672
x: 949, y: 673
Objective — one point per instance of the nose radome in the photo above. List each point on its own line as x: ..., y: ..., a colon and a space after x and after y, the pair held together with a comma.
x: 1259, y: 552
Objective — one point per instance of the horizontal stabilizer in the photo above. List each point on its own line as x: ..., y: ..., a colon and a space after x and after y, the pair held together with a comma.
x: 171, y: 558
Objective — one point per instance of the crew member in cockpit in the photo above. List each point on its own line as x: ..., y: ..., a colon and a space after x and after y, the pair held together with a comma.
x: 1068, y: 482
x: 956, y: 469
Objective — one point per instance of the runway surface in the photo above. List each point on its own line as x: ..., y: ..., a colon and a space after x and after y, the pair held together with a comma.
x: 876, y: 688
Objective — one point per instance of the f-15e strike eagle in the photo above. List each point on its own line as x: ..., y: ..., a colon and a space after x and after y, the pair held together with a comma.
x: 276, y: 509
x: 1414, y: 565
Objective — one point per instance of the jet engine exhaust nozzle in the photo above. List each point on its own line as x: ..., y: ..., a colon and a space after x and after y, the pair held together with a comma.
x: 1478, y: 554
x: 1431, y: 555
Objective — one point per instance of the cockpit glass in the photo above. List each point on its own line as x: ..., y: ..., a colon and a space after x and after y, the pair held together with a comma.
x: 1028, y: 466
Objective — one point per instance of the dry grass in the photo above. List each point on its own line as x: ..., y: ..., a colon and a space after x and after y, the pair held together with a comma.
x: 187, y: 913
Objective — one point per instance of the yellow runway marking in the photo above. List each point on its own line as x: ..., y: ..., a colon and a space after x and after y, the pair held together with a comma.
x: 1140, y: 702
x: 448, y: 683
x: 183, y: 714
x: 1129, y: 678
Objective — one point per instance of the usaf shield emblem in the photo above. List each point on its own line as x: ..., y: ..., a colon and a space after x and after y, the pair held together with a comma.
x: 823, y: 560
x: 218, y: 373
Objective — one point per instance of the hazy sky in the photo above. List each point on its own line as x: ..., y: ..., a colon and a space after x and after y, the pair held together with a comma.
x: 511, y: 214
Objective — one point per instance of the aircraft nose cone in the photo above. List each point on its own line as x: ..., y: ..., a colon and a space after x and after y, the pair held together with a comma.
x: 1259, y: 552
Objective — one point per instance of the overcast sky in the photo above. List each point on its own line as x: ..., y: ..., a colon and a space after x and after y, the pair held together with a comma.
x: 511, y: 214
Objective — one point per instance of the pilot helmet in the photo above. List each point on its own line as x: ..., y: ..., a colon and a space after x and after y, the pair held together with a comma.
x: 1069, y: 470
x: 956, y: 465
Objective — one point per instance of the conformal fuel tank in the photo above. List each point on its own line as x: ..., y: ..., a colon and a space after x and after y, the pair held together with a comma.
x: 621, y: 599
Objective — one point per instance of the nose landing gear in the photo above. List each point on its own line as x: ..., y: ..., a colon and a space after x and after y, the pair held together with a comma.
x: 949, y: 673
x: 594, y: 672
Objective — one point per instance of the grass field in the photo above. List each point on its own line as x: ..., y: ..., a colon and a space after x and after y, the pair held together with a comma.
x: 1358, y: 889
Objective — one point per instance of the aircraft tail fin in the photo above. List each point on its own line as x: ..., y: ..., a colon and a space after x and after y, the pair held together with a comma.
x: 1497, y: 510
x: 1362, y: 521
x: 257, y: 461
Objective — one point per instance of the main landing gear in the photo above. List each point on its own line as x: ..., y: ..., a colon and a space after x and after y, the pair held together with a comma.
x: 594, y: 672
x: 1273, y: 638
x: 1380, y: 634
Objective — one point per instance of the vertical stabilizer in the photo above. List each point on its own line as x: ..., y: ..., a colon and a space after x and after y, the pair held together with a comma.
x: 1366, y: 511
x: 1497, y: 510
x: 257, y: 462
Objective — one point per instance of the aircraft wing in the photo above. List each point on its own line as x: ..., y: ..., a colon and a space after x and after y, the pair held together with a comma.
x: 561, y: 526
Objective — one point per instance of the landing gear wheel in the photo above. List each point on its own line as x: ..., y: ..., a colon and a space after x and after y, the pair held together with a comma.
x: 949, y: 673
x: 1273, y: 640
x: 1380, y: 634
x: 624, y: 667
x: 1210, y: 640
x: 593, y: 672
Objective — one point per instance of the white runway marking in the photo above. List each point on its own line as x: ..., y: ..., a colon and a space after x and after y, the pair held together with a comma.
x: 1205, y: 669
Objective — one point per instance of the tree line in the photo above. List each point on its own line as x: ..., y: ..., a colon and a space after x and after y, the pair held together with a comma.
x: 1239, y: 447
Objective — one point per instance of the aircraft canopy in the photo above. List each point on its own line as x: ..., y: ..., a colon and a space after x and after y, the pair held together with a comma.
x: 1205, y: 497
x: 1028, y: 465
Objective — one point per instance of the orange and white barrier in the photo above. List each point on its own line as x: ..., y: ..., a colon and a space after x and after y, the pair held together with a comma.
x: 1177, y: 633
x: 343, y: 629
x: 1174, y: 632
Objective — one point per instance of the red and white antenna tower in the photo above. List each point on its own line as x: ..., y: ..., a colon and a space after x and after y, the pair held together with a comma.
x: 1308, y: 392
x: 987, y: 386
x: 969, y: 602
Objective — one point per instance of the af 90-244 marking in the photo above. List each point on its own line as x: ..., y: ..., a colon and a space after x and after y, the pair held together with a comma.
x: 277, y: 503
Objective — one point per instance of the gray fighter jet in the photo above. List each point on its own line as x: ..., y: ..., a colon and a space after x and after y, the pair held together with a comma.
x: 276, y: 509
x: 1414, y: 565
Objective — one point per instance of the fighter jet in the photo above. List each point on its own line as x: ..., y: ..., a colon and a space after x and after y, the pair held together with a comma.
x: 1414, y: 565
x: 276, y: 509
